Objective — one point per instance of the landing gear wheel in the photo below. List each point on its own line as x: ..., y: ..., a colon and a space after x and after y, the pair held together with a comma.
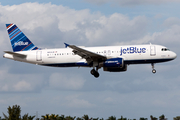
x: 96, y: 74
x: 93, y: 71
x: 154, y: 71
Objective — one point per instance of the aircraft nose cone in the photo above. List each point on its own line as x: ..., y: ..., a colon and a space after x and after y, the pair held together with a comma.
x: 174, y: 55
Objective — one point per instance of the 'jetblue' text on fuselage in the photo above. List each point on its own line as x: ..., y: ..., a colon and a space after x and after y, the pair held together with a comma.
x: 131, y: 50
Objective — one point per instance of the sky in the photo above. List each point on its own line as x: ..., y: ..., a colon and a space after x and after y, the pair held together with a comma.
x: 74, y: 91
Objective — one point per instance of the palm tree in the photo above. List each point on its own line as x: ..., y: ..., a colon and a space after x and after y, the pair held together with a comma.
x: 122, y: 118
x: 143, y: 119
x: 31, y: 117
x: 60, y: 117
x: 176, y: 118
x: 112, y: 118
x: 162, y: 117
x: 70, y: 118
x: 86, y: 117
x: 52, y: 117
x: 78, y: 118
x: 14, y: 113
x: 153, y: 118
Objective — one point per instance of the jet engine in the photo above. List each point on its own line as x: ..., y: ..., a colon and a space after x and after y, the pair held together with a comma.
x: 114, y: 65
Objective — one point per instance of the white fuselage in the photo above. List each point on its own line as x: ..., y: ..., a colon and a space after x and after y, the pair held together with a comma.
x: 64, y: 57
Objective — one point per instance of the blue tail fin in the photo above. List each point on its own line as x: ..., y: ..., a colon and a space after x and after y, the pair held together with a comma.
x: 18, y: 40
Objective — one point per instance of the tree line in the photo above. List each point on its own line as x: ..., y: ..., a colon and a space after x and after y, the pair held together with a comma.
x: 14, y: 113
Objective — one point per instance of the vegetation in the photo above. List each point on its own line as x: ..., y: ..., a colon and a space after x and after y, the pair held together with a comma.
x: 14, y: 113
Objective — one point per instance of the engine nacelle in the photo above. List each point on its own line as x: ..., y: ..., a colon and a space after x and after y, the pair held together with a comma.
x: 114, y: 65
x: 115, y: 69
x: 114, y: 62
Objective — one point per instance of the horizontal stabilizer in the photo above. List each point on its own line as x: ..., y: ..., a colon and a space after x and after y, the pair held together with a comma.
x: 16, y: 54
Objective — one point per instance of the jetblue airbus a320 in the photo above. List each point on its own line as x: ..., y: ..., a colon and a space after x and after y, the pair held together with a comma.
x: 110, y: 58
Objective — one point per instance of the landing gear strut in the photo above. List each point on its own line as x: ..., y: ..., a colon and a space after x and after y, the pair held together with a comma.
x: 153, y: 70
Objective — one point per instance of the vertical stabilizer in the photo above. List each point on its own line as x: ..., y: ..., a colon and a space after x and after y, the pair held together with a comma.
x: 18, y: 40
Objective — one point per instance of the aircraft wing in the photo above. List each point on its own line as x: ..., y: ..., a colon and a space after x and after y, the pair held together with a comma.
x: 16, y: 54
x: 88, y: 55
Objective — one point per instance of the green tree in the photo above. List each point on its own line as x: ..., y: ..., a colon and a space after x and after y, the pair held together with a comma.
x: 112, y: 118
x: 62, y: 117
x: 53, y: 117
x: 46, y: 117
x: 78, y: 118
x: 86, y: 117
x: 95, y: 118
x: 25, y: 117
x: 31, y: 117
x: 176, y: 118
x: 14, y: 113
x: 122, y: 118
x: 70, y: 118
x: 143, y: 119
x: 162, y: 117
x: 153, y: 118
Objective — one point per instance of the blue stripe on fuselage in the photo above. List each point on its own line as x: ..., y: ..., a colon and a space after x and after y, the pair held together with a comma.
x: 146, y: 61
x: 67, y: 64
x: 82, y: 64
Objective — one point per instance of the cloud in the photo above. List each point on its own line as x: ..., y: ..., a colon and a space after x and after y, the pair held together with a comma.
x: 50, y: 25
x: 65, y: 81
x: 130, y: 2
x: 13, y: 83
x: 75, y: 102
x: 22, y: 86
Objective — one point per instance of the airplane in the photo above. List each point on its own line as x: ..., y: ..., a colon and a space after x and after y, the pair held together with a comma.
x: 110, y: 58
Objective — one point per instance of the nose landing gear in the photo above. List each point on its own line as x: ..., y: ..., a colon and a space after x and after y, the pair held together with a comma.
x: 153, y: 70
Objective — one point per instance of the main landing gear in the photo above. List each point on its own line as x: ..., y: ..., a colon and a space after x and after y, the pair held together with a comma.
x: 153, y: 70
x: 95, y: 73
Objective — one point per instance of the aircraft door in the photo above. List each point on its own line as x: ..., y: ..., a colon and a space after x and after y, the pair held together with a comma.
x: 39, y: 55
x: 152, y: 50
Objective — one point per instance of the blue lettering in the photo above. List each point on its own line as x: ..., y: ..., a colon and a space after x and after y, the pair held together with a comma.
x: 144, y: 50
x: 121, y: 51
x: 131, y: 50
x: 135, y: 50
x: 139, y: 50
x: 128, y: 50
x: 124, y: 51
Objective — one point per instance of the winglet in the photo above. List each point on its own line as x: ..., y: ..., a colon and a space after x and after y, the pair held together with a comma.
x: 66, y: 45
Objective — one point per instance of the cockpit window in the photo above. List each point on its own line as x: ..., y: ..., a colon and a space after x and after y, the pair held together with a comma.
x: 165, y: 49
